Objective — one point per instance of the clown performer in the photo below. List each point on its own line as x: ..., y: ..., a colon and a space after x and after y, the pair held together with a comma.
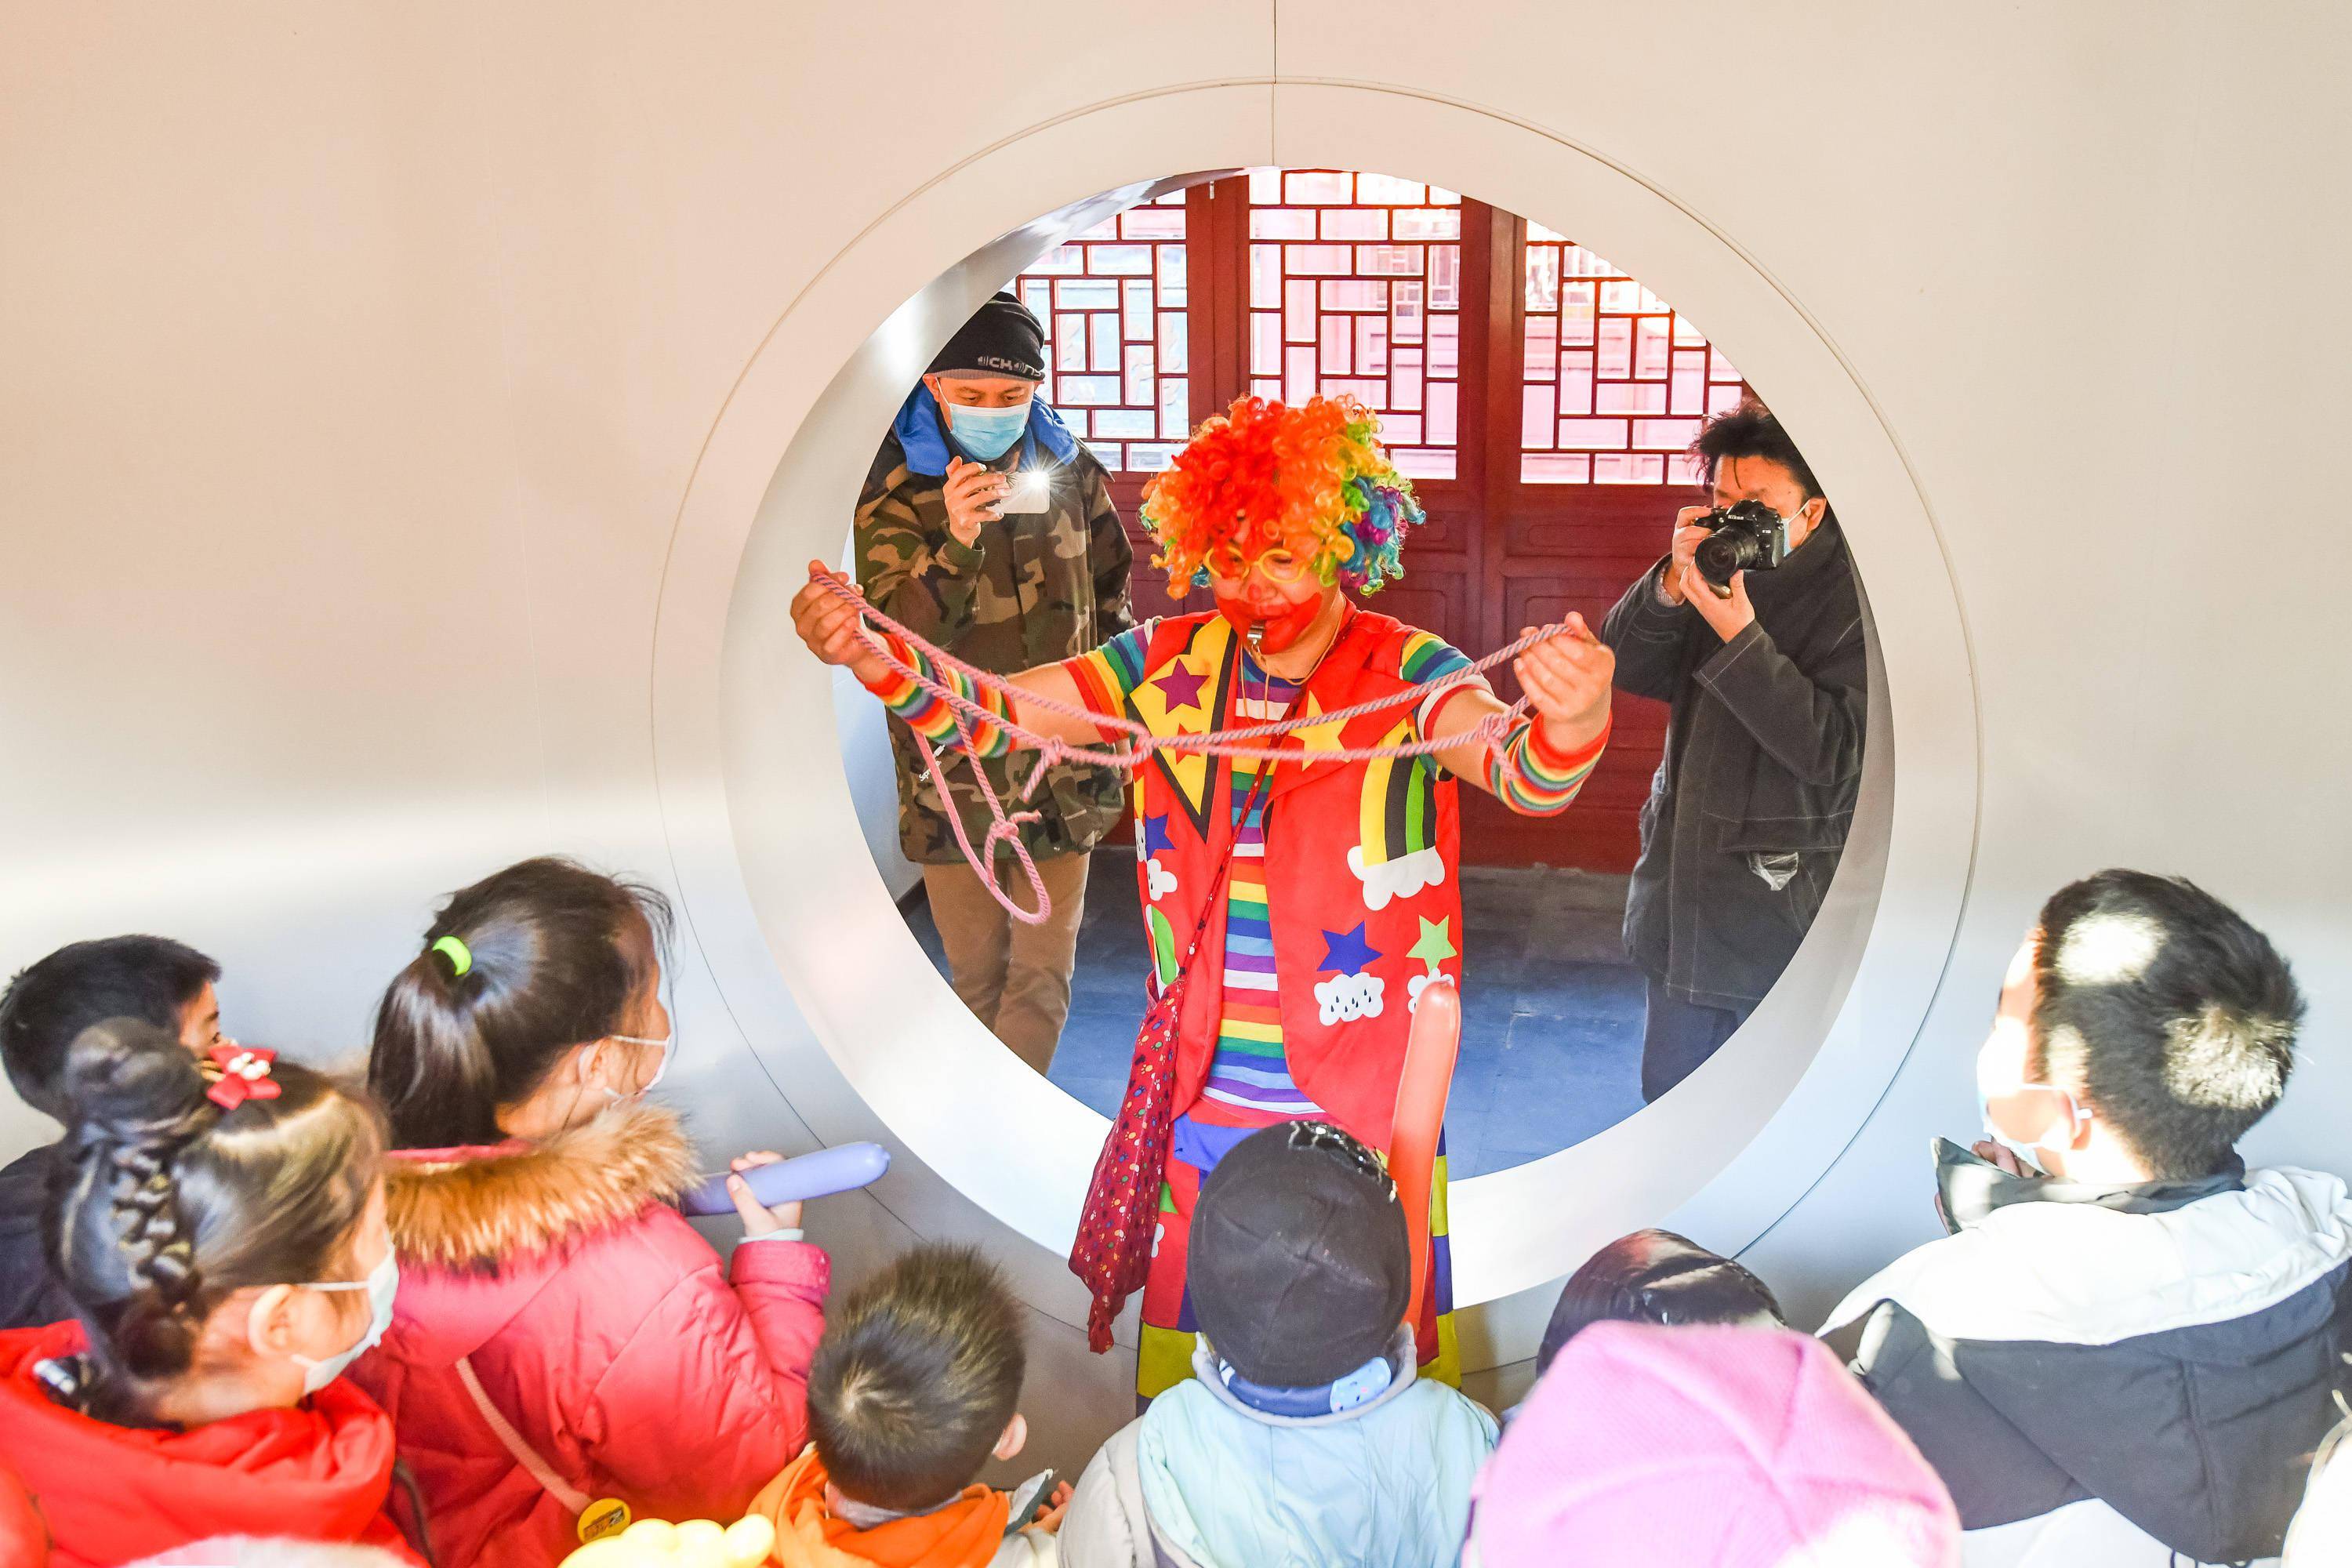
x: 1340, y: 899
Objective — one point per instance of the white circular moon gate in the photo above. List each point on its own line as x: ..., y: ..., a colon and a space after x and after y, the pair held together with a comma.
x: 787, y: 905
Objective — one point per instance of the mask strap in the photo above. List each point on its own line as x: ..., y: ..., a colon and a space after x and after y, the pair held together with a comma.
x: 666, y: 1045
x: 297, y: 1357
x: 581, y: 1092
x: 2078, y: 1114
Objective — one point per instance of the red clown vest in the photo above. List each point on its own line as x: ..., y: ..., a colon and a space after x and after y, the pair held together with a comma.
x: 1360, y: 858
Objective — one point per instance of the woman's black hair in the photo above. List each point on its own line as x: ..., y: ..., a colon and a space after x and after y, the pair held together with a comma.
x: 163, y: 1204
x: 1656, y: 1277
x: 549, y: 955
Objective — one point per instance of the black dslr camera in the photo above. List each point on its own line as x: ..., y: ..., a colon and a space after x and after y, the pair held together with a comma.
x: 1747, y: 536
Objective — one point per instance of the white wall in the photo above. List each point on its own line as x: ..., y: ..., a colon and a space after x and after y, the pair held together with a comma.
x: 355, y: 364
x: 873, y: 775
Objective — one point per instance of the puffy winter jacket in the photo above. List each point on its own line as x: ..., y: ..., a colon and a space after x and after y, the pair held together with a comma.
x: 971, y: 1529
x: 557, y: 1280
x: 2321, y: 1536
x: 30, y: 1297
x: 2115, y: 1376
x: 24, y: 1537
x: 321, y: 1471
x: 1202, y: 1481
x: 1748, y: 816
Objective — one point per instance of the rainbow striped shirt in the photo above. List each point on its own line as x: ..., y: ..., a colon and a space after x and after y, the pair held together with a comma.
x: 1249, y: 1082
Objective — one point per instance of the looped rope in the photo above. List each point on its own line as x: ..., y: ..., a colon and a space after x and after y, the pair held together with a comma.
x: 1137, y: 742
x: 1003, y: 827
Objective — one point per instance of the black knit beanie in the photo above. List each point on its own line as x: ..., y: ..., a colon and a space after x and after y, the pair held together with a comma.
x: 1300, y: 1267
x: 1001, y: 339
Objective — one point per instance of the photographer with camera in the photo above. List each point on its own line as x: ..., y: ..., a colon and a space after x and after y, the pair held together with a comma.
x: 987, y: 529
x: 1751, y: 628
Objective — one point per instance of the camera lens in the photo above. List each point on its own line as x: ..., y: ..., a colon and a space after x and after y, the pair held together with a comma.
x: 1725, y: 552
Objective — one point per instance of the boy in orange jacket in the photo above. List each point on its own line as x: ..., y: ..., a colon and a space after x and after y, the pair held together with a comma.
x: 911, y: 1392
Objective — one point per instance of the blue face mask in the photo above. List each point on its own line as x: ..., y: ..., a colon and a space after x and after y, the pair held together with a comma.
x: 986, y: 434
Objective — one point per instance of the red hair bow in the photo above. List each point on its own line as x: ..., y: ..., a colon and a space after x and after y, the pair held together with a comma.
x: 241, y: 1073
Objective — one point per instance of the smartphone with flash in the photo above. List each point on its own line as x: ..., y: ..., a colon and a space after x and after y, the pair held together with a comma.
x: 1032, y: 489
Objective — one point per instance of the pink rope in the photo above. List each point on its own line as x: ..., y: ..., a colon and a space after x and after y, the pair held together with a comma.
x: 1140, y: 742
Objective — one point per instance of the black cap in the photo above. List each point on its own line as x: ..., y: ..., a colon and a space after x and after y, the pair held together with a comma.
x: 1656, y: 1277
x: 1001, y: 339
x: 1300, y: 1267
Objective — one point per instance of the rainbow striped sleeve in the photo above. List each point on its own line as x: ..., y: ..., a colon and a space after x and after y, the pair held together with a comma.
x: 1106, y: 675
x: 1428, y: 657
x: 929, y: 715
x: 1532, y: 779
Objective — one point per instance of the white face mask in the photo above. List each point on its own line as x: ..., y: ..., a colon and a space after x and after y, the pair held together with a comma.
x: 381, y: 1284
x: 2028, y: 1154
x: 2031, y: 1154
x: 668, y: 1044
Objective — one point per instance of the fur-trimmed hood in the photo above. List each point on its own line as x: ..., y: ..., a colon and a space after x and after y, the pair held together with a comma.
x: 483, y: 1208
x: 551, y: 1284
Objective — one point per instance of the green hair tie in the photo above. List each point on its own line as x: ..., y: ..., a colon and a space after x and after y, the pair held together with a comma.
x: 461, y: 957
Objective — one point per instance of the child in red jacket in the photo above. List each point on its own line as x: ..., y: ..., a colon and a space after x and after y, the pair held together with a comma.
x: 564, y: 1342
x: 220, y: 1230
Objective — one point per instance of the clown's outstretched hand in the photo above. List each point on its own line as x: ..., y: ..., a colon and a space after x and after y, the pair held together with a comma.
x: 1567, y: 679
x: 832, y: 627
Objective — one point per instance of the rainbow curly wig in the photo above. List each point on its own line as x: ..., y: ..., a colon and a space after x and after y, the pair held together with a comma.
x: 1264, y: 475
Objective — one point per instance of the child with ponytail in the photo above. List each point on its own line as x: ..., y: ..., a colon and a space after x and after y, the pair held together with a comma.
x: 565, y: 1341
x: 218, y: 1225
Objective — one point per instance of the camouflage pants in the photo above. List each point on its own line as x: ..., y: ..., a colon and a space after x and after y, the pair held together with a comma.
x: 1015, y: 978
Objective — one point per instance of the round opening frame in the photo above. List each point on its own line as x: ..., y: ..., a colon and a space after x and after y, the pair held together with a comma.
x: 790, y: 912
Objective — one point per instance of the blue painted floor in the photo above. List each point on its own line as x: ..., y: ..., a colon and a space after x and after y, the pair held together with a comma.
x: 1551, y: 1026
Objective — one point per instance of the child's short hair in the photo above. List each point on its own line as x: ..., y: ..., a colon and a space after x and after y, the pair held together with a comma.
x: 50, y: 1004
x: 916, y: 1377
x: 2177, y: 1016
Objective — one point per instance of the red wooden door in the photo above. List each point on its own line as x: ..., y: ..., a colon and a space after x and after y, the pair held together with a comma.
x: 1539, y: 398
x: 1603, y: 386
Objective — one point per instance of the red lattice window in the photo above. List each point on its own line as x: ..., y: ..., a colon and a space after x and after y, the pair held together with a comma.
x: 1355, y: 287
x: 1616, y: 382
x: 1113, y: 304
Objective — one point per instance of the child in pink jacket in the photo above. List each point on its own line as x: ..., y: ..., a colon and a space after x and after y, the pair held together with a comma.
x: 564, y: 1344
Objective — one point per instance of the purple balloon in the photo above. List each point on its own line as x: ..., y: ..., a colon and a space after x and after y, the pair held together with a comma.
x: 834, y: 1170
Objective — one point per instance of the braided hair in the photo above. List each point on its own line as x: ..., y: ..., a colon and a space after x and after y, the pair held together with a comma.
x: 163, y: 1205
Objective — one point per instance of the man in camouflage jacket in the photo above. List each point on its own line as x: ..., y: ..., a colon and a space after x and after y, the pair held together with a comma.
x: 948, y: 546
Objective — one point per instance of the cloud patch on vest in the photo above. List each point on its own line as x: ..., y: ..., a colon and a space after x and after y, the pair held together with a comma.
x: 1164, y: 880
x: 1346, y: 997
x: 1399, y: 878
